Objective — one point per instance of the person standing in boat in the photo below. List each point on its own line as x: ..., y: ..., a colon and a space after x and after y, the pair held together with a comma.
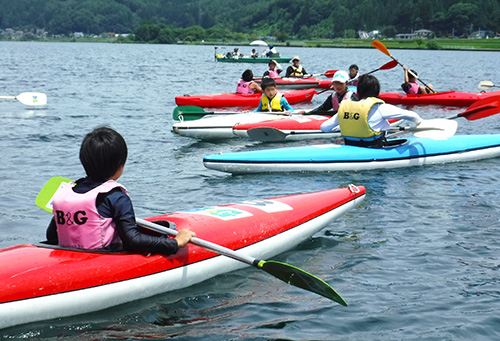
x: 411, y: 86
x: 246, y: 85
x: 353, y: 75
x: 331, y: 104
x: 272, y: 100
x: 295, y: 70
x: 363, y: 123
x: 97, y: 213
x: 272, y: 52
x: 274, y: 69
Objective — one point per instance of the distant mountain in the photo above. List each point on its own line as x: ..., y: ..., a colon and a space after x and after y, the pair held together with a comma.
x: 302, y: 19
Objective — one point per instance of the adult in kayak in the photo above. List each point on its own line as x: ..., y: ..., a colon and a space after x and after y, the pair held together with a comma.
x: 274, y: 69
x: 411, y: 86
x: 272, y: 100
x: 295, y: 70
x: 246, y: 85
x: 97, y: 213
x: 363, y: 123
x: 332, y: 102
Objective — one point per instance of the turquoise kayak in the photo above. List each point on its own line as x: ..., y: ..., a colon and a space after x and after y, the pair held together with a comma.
x: 414, y: 151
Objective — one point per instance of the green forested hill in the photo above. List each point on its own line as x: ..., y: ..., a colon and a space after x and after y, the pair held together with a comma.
x: 303, y: 19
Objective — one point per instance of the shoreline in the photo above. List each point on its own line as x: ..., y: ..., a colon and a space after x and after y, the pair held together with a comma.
x: 484, y: 45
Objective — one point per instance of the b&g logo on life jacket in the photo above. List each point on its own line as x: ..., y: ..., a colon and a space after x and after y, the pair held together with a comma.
x: 351, y: 116
x: 69, y: 219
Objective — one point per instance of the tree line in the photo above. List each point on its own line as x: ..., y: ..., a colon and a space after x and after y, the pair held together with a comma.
x: 171, y: 20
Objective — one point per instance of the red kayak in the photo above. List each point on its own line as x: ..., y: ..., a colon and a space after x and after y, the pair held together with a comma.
x: 42, y: 282
x: 299, y: 83
x: 449, y: 98
x: 239, y: 100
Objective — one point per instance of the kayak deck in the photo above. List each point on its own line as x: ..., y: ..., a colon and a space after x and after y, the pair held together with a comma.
x: 40, y: 283
x: 336, y: 157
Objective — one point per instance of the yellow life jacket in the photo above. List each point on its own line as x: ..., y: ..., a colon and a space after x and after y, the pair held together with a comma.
x: 353, y: 119
x: 275, y: 103
x: 297, y: 71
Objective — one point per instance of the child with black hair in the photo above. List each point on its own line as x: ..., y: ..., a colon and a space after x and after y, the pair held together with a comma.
x: 97, y: 213
x: 411, y: 87
x: 363, y: 123
x: 272, y: 100
x: 246, y: 85
x: 353, y: 75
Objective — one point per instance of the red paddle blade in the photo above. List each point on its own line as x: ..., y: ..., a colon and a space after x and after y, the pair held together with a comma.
x: 488, y: 106
x: 330, y: 73
x: 392, y: 64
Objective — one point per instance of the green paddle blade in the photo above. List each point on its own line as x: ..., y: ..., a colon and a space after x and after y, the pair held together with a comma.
x: 300, y: 278
x: 44, y: 198
x: 188, y: 113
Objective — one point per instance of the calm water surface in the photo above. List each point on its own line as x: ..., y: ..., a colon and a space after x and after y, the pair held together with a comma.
x: 419, y: 259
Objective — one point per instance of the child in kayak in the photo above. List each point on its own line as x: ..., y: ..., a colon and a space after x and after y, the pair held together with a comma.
x: 332, y: 102
x: 411, y: 87
x: 363, y: 123
x: 353, y: 75
x: 246, y: 85
x: 97, y: 213
x: 272, y: 100
x: 274, y: 70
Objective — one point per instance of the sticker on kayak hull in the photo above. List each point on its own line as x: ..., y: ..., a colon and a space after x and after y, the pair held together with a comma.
x: 224, y: 213
x: 268, y: 206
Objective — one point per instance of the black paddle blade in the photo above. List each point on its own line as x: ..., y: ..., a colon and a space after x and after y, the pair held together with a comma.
x: 300, y: 278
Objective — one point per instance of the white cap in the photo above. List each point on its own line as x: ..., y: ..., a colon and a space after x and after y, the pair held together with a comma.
x: 295, y: 57
x: 340, y: 76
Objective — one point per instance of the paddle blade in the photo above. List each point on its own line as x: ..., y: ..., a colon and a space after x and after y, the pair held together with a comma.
x: 301, y: 279
x: 381, y: 47
x: 488, y: 106
x: 266, y: 134
x: 436, y: 128
x: 188, y: 113
x: 44, y: 198
x: 330, y: 73
x: 485, y: 85
x: 32, y: 98
x: 387, y: 66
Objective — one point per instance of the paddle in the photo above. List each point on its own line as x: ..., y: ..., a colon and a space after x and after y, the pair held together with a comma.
x: 485, y: 85
x: 29, y: 98
x: 386, y: 66
x: 485, y: 107
x: 285, y: 272
x: 435, y: 128
x: 191, y: 113
x: 381, y: 47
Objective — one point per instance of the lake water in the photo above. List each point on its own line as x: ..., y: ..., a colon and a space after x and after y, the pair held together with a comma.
x: 419, y: 259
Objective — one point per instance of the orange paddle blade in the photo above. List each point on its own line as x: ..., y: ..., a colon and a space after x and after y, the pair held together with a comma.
x: 381, y: 47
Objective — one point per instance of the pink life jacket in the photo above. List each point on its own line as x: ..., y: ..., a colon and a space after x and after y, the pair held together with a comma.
x: 413, y: 90
x: 336, y: 102
x: 244, y: 88
x: 79, y: 225
x: 273, y: 73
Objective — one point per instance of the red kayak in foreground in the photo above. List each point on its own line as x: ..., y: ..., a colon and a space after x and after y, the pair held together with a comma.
x: 41, y: 282
x: 239, y: 100
x: 449, y: 98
